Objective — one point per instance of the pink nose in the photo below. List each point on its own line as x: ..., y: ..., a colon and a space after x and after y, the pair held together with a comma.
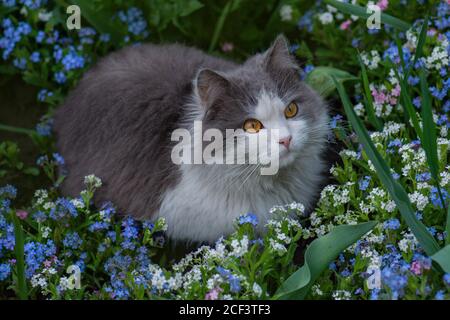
x: 286, y: 141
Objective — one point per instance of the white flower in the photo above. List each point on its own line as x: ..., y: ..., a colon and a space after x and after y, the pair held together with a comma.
x: 239, y: 247
x: 315, y: 289
x: 359, y: 109
x: 286, y: 12
x: 257, y: 289
x: 44, y: 15
x: 326, y: 18
x: 77, y: 203
x: 93, y: 181
x: 419, y: 200
x: 45, y: 232
x: 341, y: 295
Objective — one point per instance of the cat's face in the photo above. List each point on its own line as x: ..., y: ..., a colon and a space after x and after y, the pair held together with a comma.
x: 263, y: 94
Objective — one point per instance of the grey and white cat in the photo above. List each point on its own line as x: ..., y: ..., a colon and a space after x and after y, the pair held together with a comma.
x: 117, y: 124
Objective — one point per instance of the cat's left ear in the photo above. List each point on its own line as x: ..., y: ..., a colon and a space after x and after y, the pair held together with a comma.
x: 210, y: 86
x: 278, y: 57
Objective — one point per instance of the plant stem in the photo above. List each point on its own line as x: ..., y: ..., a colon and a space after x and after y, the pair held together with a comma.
x: 219, y: 25
x: 5, y: 127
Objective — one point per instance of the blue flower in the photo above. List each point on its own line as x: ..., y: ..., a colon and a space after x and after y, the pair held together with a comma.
x: 9, y: 3
x: 391, y: 224
x: 5, y: 271
x: 43, y: 94
x: 333, y: 122
x: 134, y: 17
x: 72, y: 240
x: 439, y: 295
x: 248, y: 218
x: 364, y: 183
x: 58, y: 159
x: 40, y: 36
x: 423, y: 177
x: 235, y: 284
x: 436, y: 199
x: 35, y: 254
x: 60, y: 77
x: 20, y: 63
x: 395, y: 280
x: 446, y: 279
x: 105, y: 37
x: 33, y: 4
x: 72, y: 60
x: 8, y: 191
x: 35, y: 57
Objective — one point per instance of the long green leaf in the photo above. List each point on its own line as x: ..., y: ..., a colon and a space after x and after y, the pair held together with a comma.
x: 442, y: 257
x: 320, y: 79
x: 219, y: 25
x: 429, y: 142
x: 408, y: 107
x: 370, y: 109
x: 396, y: 191
x: 362, y: 13
x: 319, y: 254
x: 20, y: 261
x: 422, y: 39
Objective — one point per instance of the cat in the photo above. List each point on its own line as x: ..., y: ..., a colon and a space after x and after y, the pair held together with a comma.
x: 118, y: 121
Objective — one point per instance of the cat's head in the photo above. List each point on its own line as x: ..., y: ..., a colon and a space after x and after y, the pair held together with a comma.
x: 265, y: 92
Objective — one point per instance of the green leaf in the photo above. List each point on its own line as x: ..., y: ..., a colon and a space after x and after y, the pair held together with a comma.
x: 370, y: 109
x: 442, y: 257
x: 396, y: 191
x: 408, y: 107
x: 219, y: 25
x: 429, y: 138
x: 421, y: 42
x: 362, y: 13
x: 20, y: 260
x: 189, y: 7
x: 319, y: 254
x: 321, y: 79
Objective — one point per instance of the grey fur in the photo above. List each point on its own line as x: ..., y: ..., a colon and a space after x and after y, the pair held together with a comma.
x: 117, y: 122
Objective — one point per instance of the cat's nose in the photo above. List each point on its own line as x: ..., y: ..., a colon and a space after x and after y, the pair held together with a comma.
x: 286, y: 141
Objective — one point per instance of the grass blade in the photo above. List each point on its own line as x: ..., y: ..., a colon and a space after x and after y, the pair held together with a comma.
x: 219, y: 25
x: 422, y: 39
x: 370, y: 109
x: 396, y: 191
x: 442, y: 257
x: 361, y: 12
x: 429, y: 141
x: 319, y: 254
x: 429, y: 138
x: 408, y: 107
x: 20, y: 260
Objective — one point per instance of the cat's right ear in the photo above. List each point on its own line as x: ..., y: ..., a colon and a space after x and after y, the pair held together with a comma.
x: 209, y: 86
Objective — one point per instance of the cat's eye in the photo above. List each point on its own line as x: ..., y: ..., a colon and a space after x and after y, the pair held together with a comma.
x: 252, y: 125
x: 291, y: 110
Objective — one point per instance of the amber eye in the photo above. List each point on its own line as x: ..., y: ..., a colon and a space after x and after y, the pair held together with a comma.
x: 252, y: 125
x: 291, y: 110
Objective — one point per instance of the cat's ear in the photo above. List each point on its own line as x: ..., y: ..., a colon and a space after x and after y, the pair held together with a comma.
x: 210, y: 85
x: 278, y: 57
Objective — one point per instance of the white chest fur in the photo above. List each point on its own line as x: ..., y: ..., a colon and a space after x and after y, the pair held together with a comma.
x: 204, y: 204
